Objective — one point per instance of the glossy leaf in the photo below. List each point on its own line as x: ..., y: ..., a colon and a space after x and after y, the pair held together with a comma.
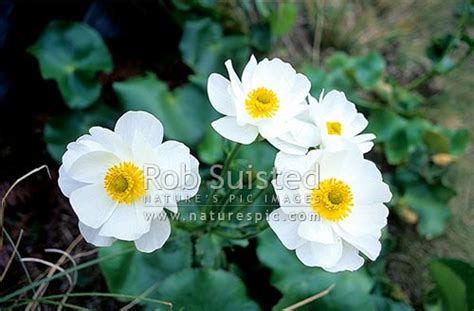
x: 182, y: 112
x: 206, y: 290
x: 73, y: 54
x: 205, y: 48
x: 134, y: 273
x: 454, y: 281
x: 368, y: 70
x: 431, y: 207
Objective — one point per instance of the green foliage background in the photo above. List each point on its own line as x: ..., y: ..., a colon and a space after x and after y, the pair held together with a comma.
x: 196, y: 269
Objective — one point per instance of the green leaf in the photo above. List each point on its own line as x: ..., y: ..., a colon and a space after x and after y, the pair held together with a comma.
x: 436, y: 140
x: 384, y: 124
x: 338, y: 60
x: 298, y: 282
x: 206, y: 290
x: 397, y: 147
x: 134, y: 273
x: 368, y: 70
x: 459, y: 141
x: 283, y: 18
x: 209, y: 250
x: 260, y: 155
x: 205, y: 48
x: 211, y: 149
x: 454, y: 281
x: 61, y: 130
x: 73, y: 54
x: 430, y: 205
x: 183, y: 112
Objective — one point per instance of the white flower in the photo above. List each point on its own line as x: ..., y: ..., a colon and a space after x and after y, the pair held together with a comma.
x: 329, y: 222
x: 104, y: 174
x: 339, y: 122
x: 269, y: 96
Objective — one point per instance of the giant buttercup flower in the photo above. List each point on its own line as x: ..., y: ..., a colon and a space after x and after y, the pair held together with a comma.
x: 104, y: 174
x: 343, y: 208
x: 339, y: 122
x: 269, y: 96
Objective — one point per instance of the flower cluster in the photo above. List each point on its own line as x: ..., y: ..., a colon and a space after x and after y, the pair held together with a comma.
x: 323, y: 136
x: 105, y: 173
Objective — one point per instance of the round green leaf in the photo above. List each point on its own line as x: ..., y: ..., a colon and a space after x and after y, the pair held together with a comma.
x: 72, y: 54
x: 205, y: 48
x: 134, y: 273
x: 183, y: 112
x: 430, y: 205
x: 384, y: 123
x: 369, y: 69
x: 205, y: 290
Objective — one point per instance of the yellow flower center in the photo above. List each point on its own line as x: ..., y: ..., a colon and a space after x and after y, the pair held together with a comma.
x: 334, y: 128
x: 332, y: 199
x: 124, y: 182
x: 262, y: 103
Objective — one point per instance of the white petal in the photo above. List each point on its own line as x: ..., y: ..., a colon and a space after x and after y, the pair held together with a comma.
x: 139, y: 121
x: 274, y: 74
x: 304, y: 133
x: 83, y: 145
x: 247, y: 75
x: 365, y: 147
x: 91, y: 167
x: 369, y: 245
x: 92, y: 236
x: 365, y: 219
x: 217, y: 90
x: 190, y: 186
x: 357, y: 168
x: 273, y: 128
x: 333, y: 164
x: 126, y: 223
x: 313, y: 254
x: 317, y: 231
x: 287, y: 147
x: 337, y: 107
x: 154, y: 239
x: 362, y: 138
x: 299, y: 91
x: 234, y: 80
x: 66, y: 183
x: 350, y: 260
x: 110, y: 141
x: 368, y: 190
x: 285, y: 229
x: 92, y: 205
x: 228, y: 128
x: 358, y: 125
x: 302, y: 164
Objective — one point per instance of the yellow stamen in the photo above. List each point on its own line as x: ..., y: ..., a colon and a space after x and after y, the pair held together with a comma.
x: 124, y: 182
x: 332, y: 199
x: 334, y: 128
x: 262, y: 103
